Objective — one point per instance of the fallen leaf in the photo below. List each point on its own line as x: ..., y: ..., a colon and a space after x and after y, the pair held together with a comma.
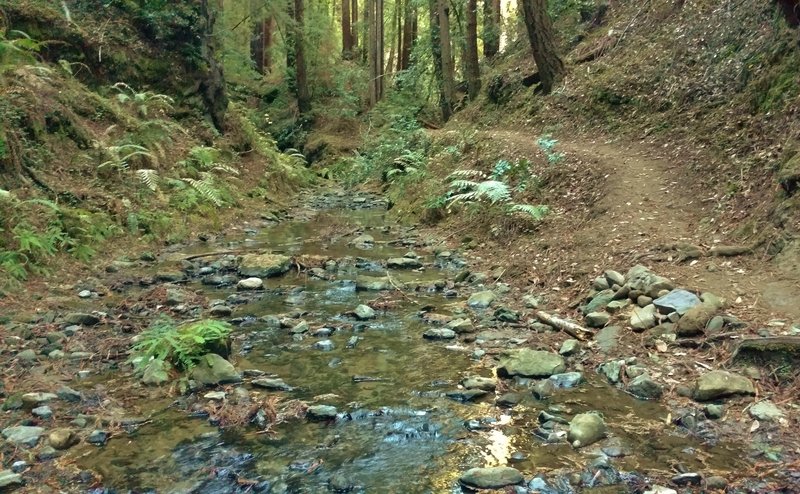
x: 754, y: 427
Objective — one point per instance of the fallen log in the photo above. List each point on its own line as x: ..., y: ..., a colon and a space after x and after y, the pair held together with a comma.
x: 572, y: 329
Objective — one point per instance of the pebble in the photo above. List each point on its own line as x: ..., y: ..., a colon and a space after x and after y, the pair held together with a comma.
x: 43, y: 412
x: 85, y: 294
x: 97, y: 437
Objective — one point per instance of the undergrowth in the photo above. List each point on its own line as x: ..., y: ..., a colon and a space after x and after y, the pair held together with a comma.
x: 179, y: 344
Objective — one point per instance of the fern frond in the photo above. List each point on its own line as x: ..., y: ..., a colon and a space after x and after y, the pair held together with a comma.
x: 494, y: 190
x: 225, y: 169
x: 466, y: 174
x: 148, y: 177
x: 206, y: 188
x: 536, y: 212
x: 463, y: 185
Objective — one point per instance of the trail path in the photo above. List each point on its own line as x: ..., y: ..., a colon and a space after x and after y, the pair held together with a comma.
x: 647, y: 204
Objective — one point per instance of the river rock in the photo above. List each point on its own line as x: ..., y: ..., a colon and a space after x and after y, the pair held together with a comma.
x: 97, y: 437
x: 600, y: 283
x: 461, y: 326
x: 531, y: 363
x: 373, y: 284
x: 364, y: 312
x: 175, y: 296
x: 642, y: 386
x: 325, y: 345
x: 570, y: 347
x: 678, y: 300
x: 264, y: 265
x: 271, y: 383
x: 607, y: 338
x: 598, y: 302
x: 766, y: 411
x: 566, y: 379
x: 156, y: 373
x: 597, y: 319
x: 479, y: 382
x: 491, y: 477
x: 694, y: 321
x: 220, y: 311
x: 321, y: 412
x: 585, y: 429
x: 614, y: 277
x: 212, y: 369
x: 43, y: 412
x: 719, y: 384
x: 23, y: 435
x: 660, y: 489
x: 618, y: 305
x: 9, y: 478
x: 643, y: 317
x: 31, y: 400
x: 250, y: 284
x: 466, y: 395
x: 481, y: 300
x: 640, y: 278
x: 439, y: 334
x: 403, y: 263
x: 61, y: 438
x: 27, y: 356
x: 300, y: 328
x: 81, y: 318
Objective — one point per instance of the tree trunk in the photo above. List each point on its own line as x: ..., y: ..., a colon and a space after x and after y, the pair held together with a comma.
x: 396, y: 40
x: 301, y: 77
x: 261, y: 45
x: 374, y: 18
x: 540, y: 34
x: 436, y: 50
x: 347, y: 30
x: 409, y: 35
x: 212, y: 79
x: 354, y: 25
x: 492, y: 27
x: 448, y: 64
x: 473, y: 72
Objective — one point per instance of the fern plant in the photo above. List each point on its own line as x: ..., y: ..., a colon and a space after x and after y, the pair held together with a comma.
x: 547, y: 144
x: 142, y: 100
x: 121, y: 155
x: 20, y: 49
x: 182, y: 345
x: 474, y: 186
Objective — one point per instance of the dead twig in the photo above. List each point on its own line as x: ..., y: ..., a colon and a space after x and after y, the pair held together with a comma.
x: 571, y: 328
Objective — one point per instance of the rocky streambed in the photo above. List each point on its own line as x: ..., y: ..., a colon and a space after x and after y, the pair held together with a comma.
x: 368, y: 357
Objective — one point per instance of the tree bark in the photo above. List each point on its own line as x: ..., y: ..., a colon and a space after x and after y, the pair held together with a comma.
x: 409, y: 35
x: 354, y: 25
x: 492, y: 27
x: 542, y: 40
x: 261, y: 45
x: 301, y: 76
x: 374, y: 17
x: 212, y: 79
x: 473, y: 72
x: 448, y: 64
x: 347, y: 30
x: 436, y: 50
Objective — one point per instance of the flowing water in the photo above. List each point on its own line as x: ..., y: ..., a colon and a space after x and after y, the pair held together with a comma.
x: 398, y: 434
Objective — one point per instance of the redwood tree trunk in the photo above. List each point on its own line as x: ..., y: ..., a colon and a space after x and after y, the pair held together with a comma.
x: 436, y: 50
x: 409, y: 35
x: 492, y: 27
x: 540, y: 34
x: 212, y: 79
x: 471, y: 51
x: 354, y: 24
x: 261, y: 45
x: 448, y: 64
x: 301, y: 76
x: 347, y: 30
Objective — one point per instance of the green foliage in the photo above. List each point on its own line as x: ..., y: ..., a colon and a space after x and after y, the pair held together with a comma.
x: 120, y: 156
x: 547, y: 144
x: 17, y: 50
x: 181, y: 345
x: 473, y: 186
x: 142, y: 100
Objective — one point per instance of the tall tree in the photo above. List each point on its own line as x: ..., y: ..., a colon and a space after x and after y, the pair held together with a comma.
x: 473, y: 72
x: 540, y: 34
x: 212, y: 79
x: 436, y: 50
x: 347, y: 30
x: 300, y: 74
x: 492, y: 27
x: 354, y: 24
x: 375, y: 49
x: 448, y: 63
x: 409, y: 34
x: 261, y: 44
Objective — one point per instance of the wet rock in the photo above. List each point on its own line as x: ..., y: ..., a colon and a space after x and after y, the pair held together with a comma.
x: 597, y: 319
x: 644, y: 387
x: 688, y: 478
x: 642, y: 279
x: 567, y: 380
x: 250, y: 284
x: 321, y: 412
x: 271, y: 383
x: 220, y: 311
x: 81, y: 318
x: 97, y: 437
x: 530, y: 363
x: 23, y: 435
x: 264, y: 265
x: 570, y: 347
x: 643, y: 317
x: 300, y: 328
x: 213, y: 369
x: 338, y: 483
x: 543, y: 390
x: 156, y: 373
x: 364, y: 312
x: 479, y: 382
x: 719, y: 384
x: 678, y: 301
x: 373, y: 284
x: 403, y: 263
x: 9, y: 479
x: 615, y: 448
x: 461, y: 326
x: 585, y: 429
x: 481, y: 300
x: 466, y: 394
x: 439, y: 334
x: 61, y: 438
x: 766, y: 411
x: 491, y: 477
x: 324, y: 345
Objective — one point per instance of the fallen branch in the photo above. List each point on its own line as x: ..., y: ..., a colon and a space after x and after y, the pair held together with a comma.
x: 572, y: 329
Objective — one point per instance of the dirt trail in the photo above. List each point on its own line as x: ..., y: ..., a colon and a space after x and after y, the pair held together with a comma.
x: 647, y: 203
